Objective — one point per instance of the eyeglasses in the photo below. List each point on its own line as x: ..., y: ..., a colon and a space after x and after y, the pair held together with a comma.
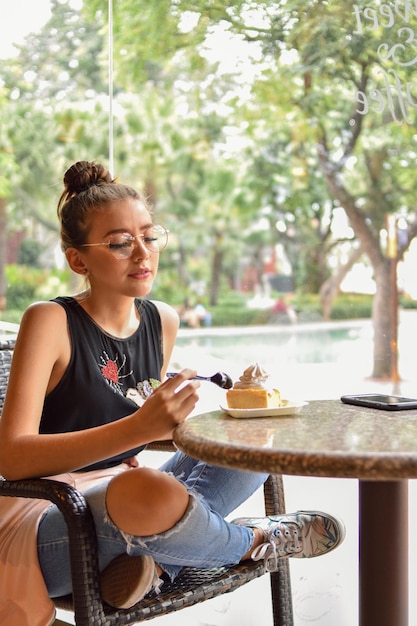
x: 121, y: 245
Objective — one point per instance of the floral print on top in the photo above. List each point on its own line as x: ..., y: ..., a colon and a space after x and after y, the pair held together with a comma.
x: 142, y: 391
x: 112, y: 371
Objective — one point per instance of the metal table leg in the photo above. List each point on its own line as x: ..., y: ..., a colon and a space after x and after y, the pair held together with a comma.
x: 383, y: 553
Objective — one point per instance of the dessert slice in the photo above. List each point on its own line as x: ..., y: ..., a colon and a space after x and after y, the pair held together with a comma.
x: 251, y: 391
x: 253, y: 398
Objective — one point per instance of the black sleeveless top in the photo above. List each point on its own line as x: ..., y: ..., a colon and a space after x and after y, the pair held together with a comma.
x: 107, y: 378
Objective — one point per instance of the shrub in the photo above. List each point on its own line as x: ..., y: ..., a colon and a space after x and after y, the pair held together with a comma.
x: 27, y: 284
x: 29, y: 253
x: 407, y: 302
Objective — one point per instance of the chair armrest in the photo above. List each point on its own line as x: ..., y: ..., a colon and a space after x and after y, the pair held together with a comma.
x: 80, y: 523
x: 162, y: 446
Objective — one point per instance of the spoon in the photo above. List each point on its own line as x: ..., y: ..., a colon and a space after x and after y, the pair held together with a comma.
x: 221, y: 379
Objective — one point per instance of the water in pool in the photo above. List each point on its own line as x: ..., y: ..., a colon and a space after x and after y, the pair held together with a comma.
x: 306, y: 360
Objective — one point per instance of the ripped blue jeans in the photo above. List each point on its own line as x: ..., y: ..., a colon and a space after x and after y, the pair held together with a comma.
x: 202, y: 538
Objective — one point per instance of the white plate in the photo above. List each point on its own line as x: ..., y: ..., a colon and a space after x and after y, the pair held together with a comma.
x: 292, y: 407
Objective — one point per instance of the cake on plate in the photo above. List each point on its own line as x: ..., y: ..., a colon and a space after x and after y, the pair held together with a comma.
x: 252, y: 392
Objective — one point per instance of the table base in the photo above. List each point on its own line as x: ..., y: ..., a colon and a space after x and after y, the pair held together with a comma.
x: 383, y: 553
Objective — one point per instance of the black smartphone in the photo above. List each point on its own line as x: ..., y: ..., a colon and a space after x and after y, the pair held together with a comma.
x: 381, y: 401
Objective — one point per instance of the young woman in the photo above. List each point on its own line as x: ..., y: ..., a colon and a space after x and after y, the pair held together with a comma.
x: 85, y: 397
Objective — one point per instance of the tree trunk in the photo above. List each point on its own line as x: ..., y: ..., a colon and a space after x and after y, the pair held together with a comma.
x: 330, y: 287
x: 3, y: 253
x: 385, y: 305
x: 181, y: 264
x: 216, y: 269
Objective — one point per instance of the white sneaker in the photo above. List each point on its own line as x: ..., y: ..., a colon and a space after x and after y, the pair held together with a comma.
x: 304, y: 534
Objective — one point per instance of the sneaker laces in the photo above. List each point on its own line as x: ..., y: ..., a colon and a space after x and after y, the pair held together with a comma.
x: 156, y: 585
x: 281, y: 541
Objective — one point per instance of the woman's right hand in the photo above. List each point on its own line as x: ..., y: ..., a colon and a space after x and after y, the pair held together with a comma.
x: 169, y: 405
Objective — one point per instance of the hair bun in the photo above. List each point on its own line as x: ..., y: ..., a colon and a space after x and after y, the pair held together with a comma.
x: 83, y: 175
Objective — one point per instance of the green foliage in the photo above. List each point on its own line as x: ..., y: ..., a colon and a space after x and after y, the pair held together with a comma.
x: 168, y: 289
x: 27, y: 284
x: 232, y: 310
x: 352, y: 306
x: 29, y: 253
x: 236, y: 160
x: 406, y: 302
x: 61, y: 61
x: 12, y: 316
x: 307, y: 306
x: 222, y: 316
x: 345, y: 306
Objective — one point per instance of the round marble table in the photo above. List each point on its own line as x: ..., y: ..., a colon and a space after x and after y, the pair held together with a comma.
x: 329, y: 438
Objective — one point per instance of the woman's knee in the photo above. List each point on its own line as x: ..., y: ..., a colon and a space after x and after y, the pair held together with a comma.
x: 145, y: 501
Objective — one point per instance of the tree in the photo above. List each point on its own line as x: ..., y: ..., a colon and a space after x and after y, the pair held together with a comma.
x: 42, y: 127
x: 63, y: 61
x: 3, y: 255
x: 324, y: 121
x: 363, y: 155
x: 348, y: 76
x: 7, y: 165
x: 276, y: 162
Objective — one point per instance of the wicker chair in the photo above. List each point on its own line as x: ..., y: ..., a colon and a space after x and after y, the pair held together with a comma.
x: 191, y: 586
